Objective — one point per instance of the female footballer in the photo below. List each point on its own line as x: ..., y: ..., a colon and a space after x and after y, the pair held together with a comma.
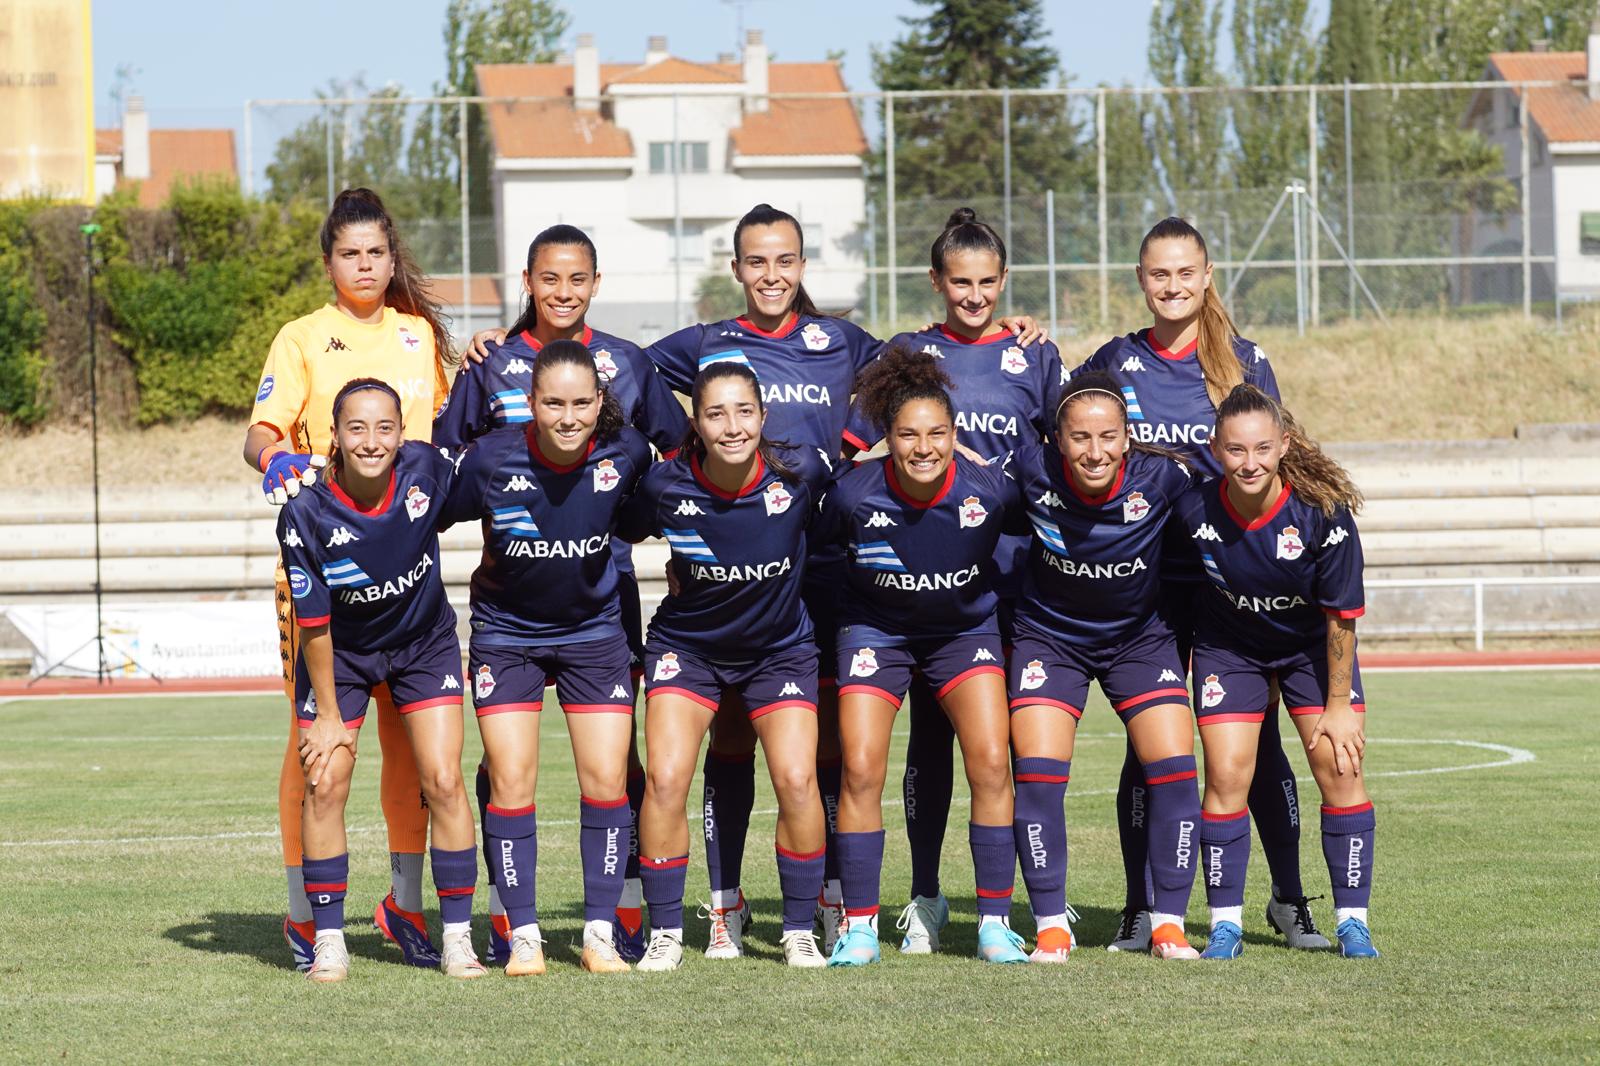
x: 1098, y: 502
x: 920, y: 527
x: 361, y: 549
x: 1001, y: 387
x: 734, y: 510
x: 560, y: 280
x: 1277, y: 539
x: 547, y: 494
x: 1174, y: 374
x: 381, y: 323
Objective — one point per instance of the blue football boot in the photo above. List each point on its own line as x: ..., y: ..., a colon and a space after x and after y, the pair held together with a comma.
x: 997, y: 943
x: 1355, y: 939
x: 857, y: 946
x: 1226, y: 942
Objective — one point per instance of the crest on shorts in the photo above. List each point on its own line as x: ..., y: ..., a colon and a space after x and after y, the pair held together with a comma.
x: 864, y: 663
x: 416, y: 503
x: 815, y: 336
x: 1012, y: 361
x: 972, y: 513
x: 777, y: 498
x: 483, y: 682
x: 667, y: 667
x: 605, y: 366
x: 1211, y: 691
x: 1135, y: 507
x: 1289, y: 544
x: 606, y: 477
x: 1033, y: 676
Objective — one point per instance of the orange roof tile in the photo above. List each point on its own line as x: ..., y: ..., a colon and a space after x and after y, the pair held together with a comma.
x: 482, y: 290
x: 802, y: 127
x: 1565, y: 114
x: 674, y: 71
x: 547, y: 128
x: 175, y: 155
x: 551, y: 128
x: 107, y: 142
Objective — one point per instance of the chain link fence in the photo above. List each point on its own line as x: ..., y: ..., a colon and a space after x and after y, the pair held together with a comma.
x: 1320, y: 203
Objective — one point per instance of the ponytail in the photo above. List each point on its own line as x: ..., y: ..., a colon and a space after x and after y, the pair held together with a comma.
x: 964, y: 233
x: 767, y: 215
x: 408, y: 291
x: 695, y: 447
x: 1219, y: 363
x: 1313, y: 474
x: 573, y: 353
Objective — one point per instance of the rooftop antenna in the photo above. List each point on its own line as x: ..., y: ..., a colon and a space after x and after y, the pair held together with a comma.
x: 738, y: 7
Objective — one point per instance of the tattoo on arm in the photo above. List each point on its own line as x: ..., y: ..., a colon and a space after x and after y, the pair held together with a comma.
x: 1341, y: 653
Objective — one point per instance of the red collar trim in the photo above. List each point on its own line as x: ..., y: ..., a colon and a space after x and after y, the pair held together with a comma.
x: 784, y: 330
x: 1188, y: 349
x: 1095, y: 501
x: 987, y: 338
x: 538, y: 346
x: 721, y: 493
x: 1269, y: 515
x: 893, y: 481
x: 543, y: 460
x: 344, y: 497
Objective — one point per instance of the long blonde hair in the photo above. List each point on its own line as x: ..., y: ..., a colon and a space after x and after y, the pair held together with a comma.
x: 1219, y: 363
x: 1312, y: 472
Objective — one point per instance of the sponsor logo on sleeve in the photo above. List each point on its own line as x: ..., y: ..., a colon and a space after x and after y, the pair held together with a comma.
x: 299, y: 583
x: 606, y: 477
x: 864, y: 663
x: 265, y: 390
x: 416, y: 503
x: 1289, y: 544
x: 1259, y: 355
x: 972, y: 513
x: 777, y: 498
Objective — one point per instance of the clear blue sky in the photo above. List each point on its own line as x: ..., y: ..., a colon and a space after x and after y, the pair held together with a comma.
x: 197, y: 62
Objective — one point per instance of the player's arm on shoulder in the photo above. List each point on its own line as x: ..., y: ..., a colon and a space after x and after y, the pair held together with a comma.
x: 636, y: 519
x: 464, y: 415
x: 677, y: 356
x: 466, y: 477
x: 660, y: 416
x: 483, y: 344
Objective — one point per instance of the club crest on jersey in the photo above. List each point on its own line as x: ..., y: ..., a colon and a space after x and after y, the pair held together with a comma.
x: 864, y: 663
x: 1211, y: 691
x: 1033, y: 676
x: 815, y: 336
x: 1135, y: 507
x: 777, y: 498
x: 1289, y: 544
x: 1012, y: 361
x: 416, y: 503
x: 667, y: 667
x: 972, y: 513
x: 483, y: 682
x: 605, y: 366
x: 606, y: 477
x: 265, y: 390
x: 407, y: 338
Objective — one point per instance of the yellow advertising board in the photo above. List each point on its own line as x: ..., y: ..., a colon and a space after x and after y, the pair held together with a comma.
x: 46, y: 100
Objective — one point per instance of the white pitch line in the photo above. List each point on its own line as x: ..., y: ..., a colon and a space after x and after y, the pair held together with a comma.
x: 1513, y: 757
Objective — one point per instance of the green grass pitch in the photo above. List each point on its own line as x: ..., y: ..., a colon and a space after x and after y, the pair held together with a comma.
x: 142, y: 898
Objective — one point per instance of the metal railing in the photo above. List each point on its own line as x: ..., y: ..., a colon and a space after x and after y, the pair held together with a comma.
x: 1478, y: 628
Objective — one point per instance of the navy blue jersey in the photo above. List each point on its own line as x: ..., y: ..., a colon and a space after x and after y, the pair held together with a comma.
x: 547, y: 575
x: 918, y: 569
x: 739, y: 557
x: 495, y: 392
x: 372, y: 576
x: 1166, y: 392
x: 1004, y: 395
x: 807, y: 370
x: 1094, y: 564
x: 1274, y: 580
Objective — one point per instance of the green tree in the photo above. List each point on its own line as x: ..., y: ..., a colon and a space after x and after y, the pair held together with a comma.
x: 23, y: 396
x: 1272, y: 45
x: 1187, y: 131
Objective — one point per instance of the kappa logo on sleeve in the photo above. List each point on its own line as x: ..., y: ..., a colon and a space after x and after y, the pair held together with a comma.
x: 606, y: 477
x: 1131, y: 364
x: 416, y: 503
x: 815, y: 336
x: 292, y: 539
x: 1289, y: 544
x: 341, y: 537
x: 687, y: 507
x: 516, y: 366
x: 1337, y: 536
x: 933, y: 350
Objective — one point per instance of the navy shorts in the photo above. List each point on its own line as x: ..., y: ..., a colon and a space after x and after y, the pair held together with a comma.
x: 884, y: 670
x: 785, y: 678
x: 424, y: 673
x: 591, y: 677
x: 1231, y: 686
x: 1136, y: 674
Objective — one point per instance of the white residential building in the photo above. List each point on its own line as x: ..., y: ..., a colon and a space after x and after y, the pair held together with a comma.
x: 1563, y: 166
x: 590, y: 144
